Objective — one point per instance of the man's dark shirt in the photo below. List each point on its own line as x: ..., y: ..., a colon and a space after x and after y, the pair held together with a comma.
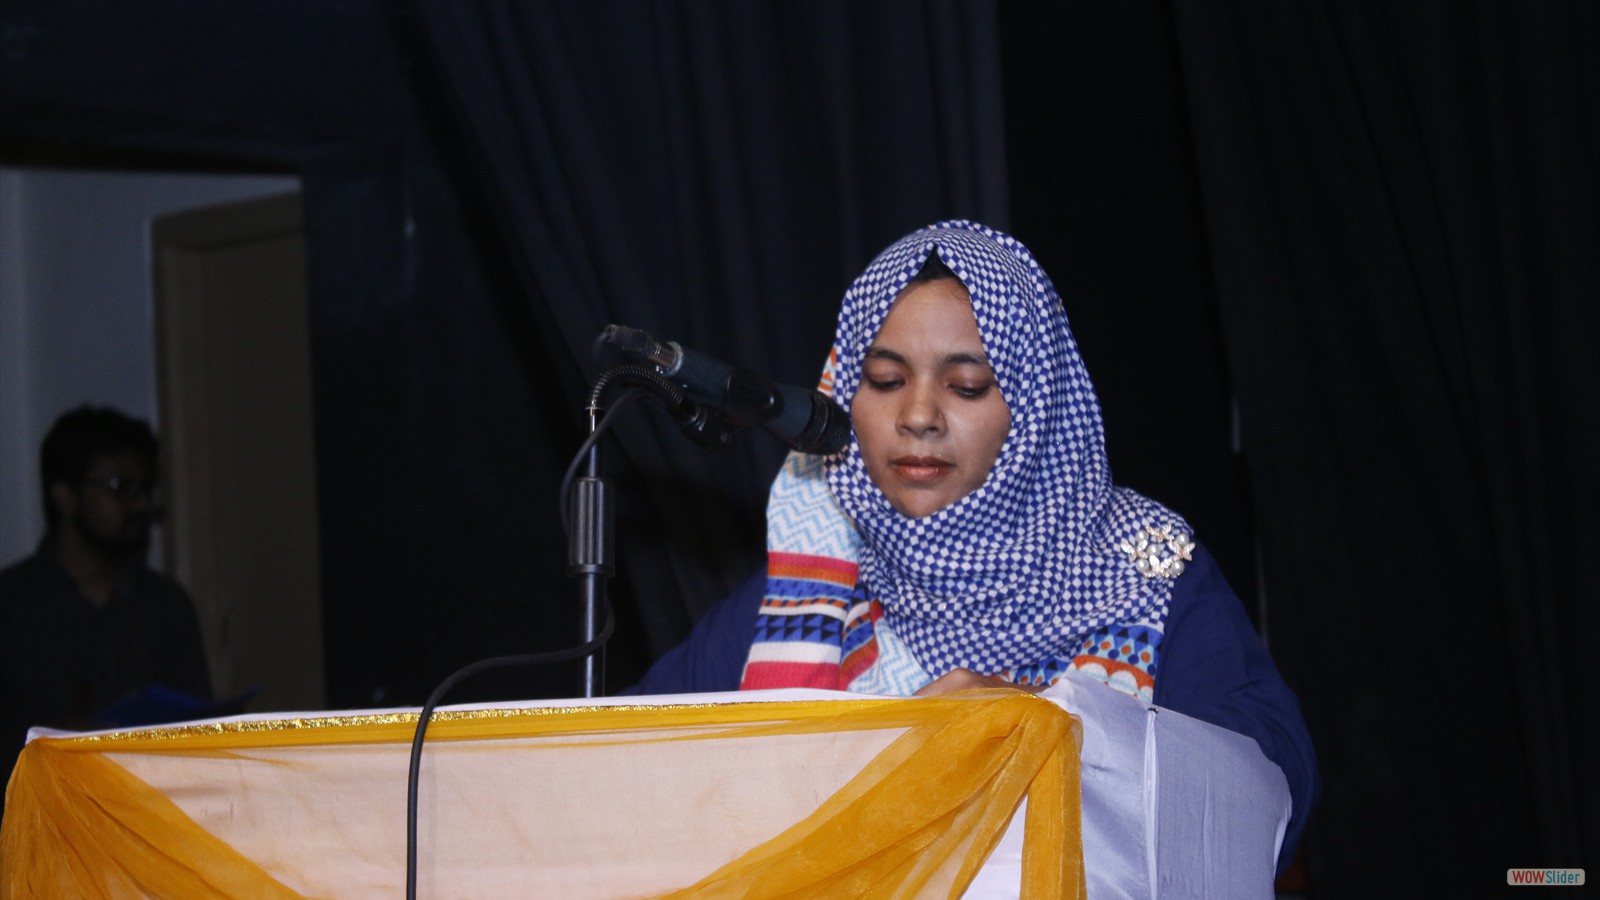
x: 63, y: 661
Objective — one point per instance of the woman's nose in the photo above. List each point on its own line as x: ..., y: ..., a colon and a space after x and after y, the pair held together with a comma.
x: 921, y: 414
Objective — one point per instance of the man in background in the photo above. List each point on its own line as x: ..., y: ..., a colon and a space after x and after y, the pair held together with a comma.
x: 88, y: 632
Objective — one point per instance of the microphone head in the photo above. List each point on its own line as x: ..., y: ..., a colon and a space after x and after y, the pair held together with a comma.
x: 827, y: 430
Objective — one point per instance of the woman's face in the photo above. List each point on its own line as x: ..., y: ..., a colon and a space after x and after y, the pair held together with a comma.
x: 929, y: 415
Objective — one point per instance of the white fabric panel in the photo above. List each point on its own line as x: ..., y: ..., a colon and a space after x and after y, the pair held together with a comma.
x: 1221, y: 811
x: 1168, y: 800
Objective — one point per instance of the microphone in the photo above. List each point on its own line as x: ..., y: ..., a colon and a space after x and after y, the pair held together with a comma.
x: 806, y: 420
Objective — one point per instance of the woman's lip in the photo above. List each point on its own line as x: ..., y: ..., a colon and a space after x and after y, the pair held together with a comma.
x: 920, y: 468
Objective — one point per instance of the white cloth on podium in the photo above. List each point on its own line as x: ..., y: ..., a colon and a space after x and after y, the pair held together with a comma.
x: 1168, y: 800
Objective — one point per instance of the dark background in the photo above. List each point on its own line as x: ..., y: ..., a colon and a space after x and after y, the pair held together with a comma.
x: 1333, y: 266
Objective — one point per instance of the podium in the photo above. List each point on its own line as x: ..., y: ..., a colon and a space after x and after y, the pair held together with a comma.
x: 1082, y: 791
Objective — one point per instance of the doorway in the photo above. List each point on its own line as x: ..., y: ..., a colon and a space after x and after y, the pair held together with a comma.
x: 234, y: 387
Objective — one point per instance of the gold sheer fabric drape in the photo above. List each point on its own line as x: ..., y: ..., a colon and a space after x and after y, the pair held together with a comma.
x: 802, y: 798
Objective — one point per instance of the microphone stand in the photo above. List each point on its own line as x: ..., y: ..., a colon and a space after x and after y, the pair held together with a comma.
x: 590, y: 554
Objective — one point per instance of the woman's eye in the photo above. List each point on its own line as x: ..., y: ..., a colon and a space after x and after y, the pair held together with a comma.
x: 883, y: 384
x: 971, y: 392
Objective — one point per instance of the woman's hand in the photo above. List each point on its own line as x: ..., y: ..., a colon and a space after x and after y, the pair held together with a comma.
x: 962, y: 679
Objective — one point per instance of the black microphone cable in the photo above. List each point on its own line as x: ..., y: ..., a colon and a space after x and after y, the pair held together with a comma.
x: 413, y: 775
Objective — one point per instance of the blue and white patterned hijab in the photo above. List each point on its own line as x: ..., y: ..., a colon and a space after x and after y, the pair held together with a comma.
x: 1016, y: 573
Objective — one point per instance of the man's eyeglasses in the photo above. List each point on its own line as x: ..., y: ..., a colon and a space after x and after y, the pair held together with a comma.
x: 125, y: 488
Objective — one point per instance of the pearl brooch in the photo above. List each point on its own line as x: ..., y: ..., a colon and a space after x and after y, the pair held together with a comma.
x: 1159, y: 551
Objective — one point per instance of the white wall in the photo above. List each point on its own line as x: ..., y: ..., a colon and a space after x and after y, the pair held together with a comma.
x: 77, y: 308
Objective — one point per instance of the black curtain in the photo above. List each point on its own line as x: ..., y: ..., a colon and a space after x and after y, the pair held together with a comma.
x: 1103, y: 192
x: 1404, y: 221
x: 714, y: 173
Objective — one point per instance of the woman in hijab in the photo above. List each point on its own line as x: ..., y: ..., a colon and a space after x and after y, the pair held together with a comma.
x: 970, y: 533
